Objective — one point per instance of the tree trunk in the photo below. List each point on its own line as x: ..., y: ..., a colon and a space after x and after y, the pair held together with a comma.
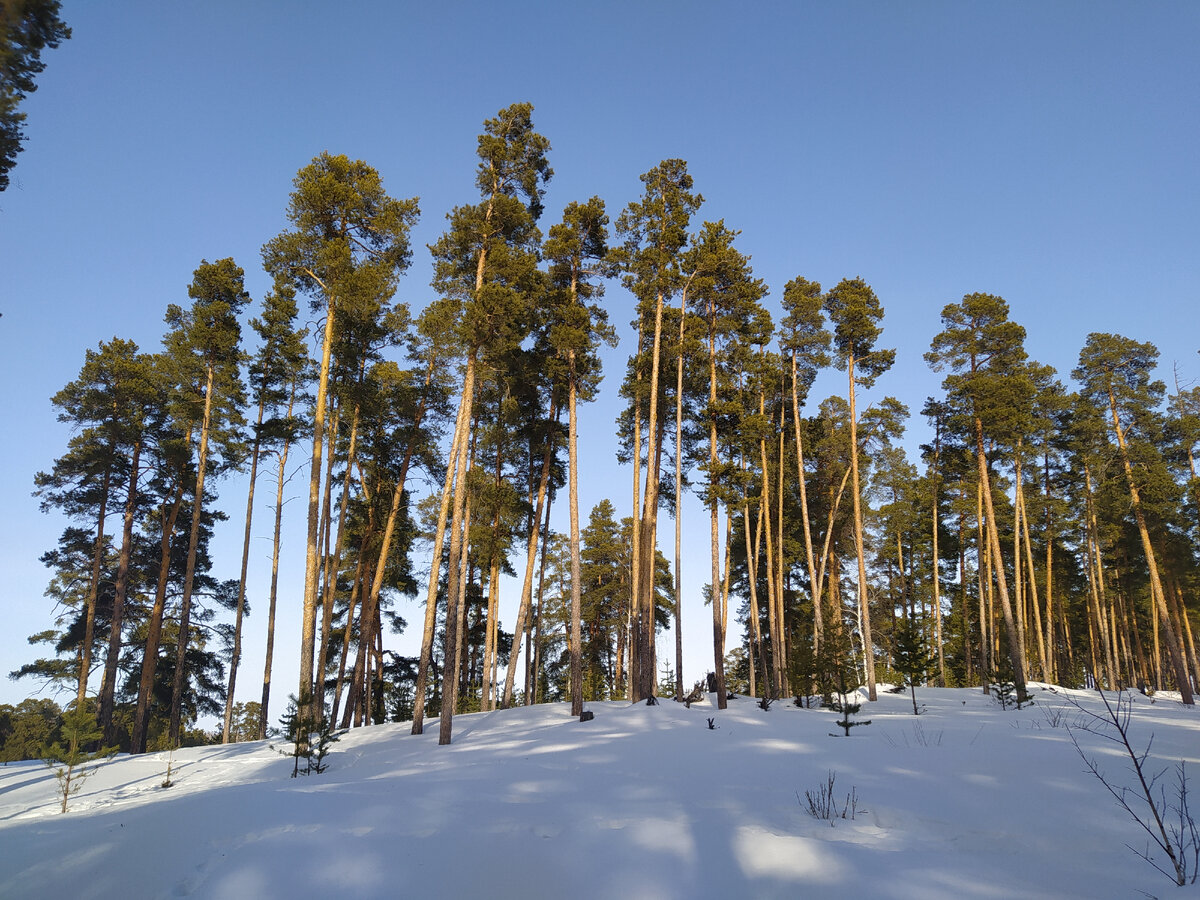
x: 141, y: 721
x: 1033, y: 590
x: 121, y: 590
x: 644, y: 683
x: 530, y: 562
x: 236, y: 658
x: 814, y: 593
x: 679, y: 504
x: 313, y: 549
x: 185, y: 608
x: 274, y: 591
x: 718, y: 602
x: 439, y: 537
x: 457, y: 560
x: 352, y: 606
x: 333, y: 562
x: 864, y: 607
x: 1016, y: 648
x: 576, y: 648
x: 1156, y: 588
x: 89, y: 627
x: 532, y: 698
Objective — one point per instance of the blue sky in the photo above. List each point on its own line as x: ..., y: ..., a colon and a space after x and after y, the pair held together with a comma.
x: 1045, y: 152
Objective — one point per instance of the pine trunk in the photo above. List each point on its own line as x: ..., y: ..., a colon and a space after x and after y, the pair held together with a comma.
x: 457, y: 560
x: 274, y: 591
x: 1016, y: 648
x: 236, y: 658
x: 185, y: 609
x: 89, y: 627
x: 312, y: 557
x: 573, y: 501
x: 120, y: 592
x: 1156, y: 588
x: 530, y: 562
x: 864, y: 606
x: 141, y: 721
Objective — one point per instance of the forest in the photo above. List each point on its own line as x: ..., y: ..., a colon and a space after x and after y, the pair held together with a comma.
x: 1047, y: 532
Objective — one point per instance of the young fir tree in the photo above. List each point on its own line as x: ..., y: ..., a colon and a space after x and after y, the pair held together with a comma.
x: 347, y: 247
x: 855, y: 312
x: 912, y: 658
x: 70, y: 757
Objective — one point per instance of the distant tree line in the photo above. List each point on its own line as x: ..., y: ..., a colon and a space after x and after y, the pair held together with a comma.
x: 1047, y: 531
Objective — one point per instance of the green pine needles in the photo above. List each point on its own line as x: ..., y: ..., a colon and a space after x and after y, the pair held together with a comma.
x: 69, y: 757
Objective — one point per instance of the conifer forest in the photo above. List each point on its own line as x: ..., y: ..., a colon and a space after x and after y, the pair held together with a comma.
x: 1047, y: 530
x: 409, y: 407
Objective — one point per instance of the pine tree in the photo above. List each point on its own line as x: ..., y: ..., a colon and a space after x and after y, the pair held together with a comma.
x: 279, y: 358
x: 1115, y: 373
x: 654, y: 230
x: 204, y: 355
x: 990, y: 382
x: 913, y: 658
x: 855, y: 311
x: 26, y: 29
x: 348, y: 245
x: 69, y: 757
x: 805, y: 340
x: 577, y: 250
x: 486, y: 265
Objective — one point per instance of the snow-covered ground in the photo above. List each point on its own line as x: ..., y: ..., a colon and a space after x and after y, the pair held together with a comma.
x: 965, y: 801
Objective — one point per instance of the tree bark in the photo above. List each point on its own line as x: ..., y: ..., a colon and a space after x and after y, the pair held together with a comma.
x: 1156, y: 588
x: 274, y: 591
x: 457, y: 561
x: 89, y: 627
x: 236, y: 657
x: 1016, y: 648
x: 530, y: 563
x: 141, y: 721
x: 189, y: 574
x: 121, y: 590
x: 313, y: 550
x: 864, y: 606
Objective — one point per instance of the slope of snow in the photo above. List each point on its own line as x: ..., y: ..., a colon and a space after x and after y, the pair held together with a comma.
x: 965, y: 801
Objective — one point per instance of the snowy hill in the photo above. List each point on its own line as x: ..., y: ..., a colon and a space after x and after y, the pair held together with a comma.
x: 965, y: 801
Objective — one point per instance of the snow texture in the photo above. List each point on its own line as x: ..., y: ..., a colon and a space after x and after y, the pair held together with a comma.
x: 965, y: 801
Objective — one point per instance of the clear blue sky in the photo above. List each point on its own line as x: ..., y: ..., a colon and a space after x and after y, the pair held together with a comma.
x: 1045, y: 152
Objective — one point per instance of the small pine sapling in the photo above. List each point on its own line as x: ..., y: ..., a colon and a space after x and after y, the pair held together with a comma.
x: 311, y: 740
x: 68, y: 757
x: 912, y: 657
x: 847, y: 708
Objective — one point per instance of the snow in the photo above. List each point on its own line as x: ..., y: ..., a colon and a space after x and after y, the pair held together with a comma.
x: 966, y: 801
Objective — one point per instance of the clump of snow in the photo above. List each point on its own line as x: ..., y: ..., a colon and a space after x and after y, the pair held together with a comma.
x: 965, y: 801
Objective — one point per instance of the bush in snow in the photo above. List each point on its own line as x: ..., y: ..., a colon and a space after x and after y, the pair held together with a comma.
x: 1167, y: 819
